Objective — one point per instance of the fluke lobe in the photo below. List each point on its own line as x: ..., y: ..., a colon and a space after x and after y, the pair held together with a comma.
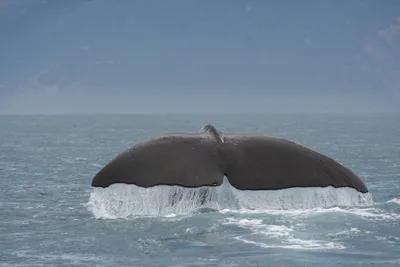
x: 249, y: 162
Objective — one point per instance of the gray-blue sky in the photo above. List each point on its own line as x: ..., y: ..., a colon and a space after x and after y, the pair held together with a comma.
x: 193, y: 56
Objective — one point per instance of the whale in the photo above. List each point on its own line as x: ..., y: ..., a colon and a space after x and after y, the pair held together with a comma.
x: 204, y: 158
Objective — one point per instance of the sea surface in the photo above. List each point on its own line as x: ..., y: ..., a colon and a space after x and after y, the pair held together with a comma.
x: 50, y: 215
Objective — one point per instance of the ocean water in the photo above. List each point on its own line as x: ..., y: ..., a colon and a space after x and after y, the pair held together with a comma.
x: 50, y: 216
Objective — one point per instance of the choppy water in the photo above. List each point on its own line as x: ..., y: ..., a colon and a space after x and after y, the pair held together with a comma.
x: 50, y: 216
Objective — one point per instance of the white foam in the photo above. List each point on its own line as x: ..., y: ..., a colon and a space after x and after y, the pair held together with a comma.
x: 348, y: 232
x: 389, y: 239
x: 122, y: 201
x: 367, y: 213
x: 277, y: 236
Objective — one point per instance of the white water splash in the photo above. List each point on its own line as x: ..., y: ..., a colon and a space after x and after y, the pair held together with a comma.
x: 122, y: 201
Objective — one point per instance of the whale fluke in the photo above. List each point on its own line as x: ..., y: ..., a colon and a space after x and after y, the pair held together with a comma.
x: 188, y: 161
x: 250, y: 162
x: 265, y: 162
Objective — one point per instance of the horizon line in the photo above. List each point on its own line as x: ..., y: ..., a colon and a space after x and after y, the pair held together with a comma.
x: 197, y: 113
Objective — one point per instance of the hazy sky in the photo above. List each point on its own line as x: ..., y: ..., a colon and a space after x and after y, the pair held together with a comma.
x: 194, y: 56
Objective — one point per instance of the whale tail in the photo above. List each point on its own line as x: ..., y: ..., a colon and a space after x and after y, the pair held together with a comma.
x: 249, y: 162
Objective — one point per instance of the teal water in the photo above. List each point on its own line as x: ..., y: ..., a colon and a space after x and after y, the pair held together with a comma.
x: 50, y: 216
